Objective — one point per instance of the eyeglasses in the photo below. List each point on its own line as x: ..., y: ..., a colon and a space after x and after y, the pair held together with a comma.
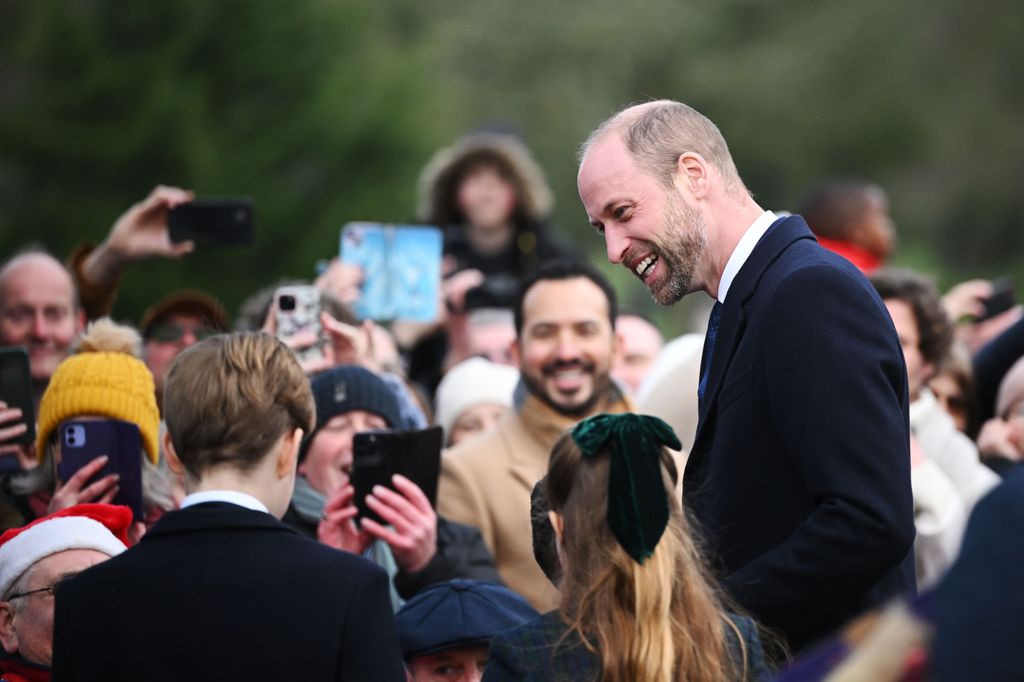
x: 170, y: 332
x: 49, y: 589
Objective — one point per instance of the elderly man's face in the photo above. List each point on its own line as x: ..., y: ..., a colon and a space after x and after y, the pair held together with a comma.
x: 460, y: 664
x: 37, y: 310
x: 26, y: 622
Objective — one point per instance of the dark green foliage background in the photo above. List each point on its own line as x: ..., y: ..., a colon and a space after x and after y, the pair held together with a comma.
x: 325, y: 111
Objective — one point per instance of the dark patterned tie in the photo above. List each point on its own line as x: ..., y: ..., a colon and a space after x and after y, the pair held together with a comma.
x: 709, y: 344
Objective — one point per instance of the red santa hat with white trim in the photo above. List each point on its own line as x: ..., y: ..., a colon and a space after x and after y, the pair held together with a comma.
x: 102, y: 527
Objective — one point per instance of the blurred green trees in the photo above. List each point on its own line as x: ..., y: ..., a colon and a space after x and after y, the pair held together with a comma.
x: 325, y: 111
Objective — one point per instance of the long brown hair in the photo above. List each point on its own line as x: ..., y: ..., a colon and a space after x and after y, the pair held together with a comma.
x: 652, y: 622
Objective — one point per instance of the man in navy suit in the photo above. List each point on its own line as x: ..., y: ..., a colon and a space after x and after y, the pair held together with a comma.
x: 799, y: 475
x: 221, y: 589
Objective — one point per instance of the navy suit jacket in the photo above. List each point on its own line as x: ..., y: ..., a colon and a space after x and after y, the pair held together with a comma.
x: 799, y: 476
x: 220, y: 592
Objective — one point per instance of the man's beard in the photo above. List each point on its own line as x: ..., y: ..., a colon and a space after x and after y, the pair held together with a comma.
x: 602, y: 389
x: 685, y: 236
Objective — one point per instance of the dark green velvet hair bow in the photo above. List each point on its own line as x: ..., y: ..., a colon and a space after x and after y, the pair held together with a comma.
x: 637, y: 501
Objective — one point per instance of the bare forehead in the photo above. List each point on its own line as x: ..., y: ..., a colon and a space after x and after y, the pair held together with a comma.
x: 36, y: 275
x: 564, y: 301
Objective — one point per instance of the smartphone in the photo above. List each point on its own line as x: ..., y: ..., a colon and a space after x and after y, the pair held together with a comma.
x: 401, y: 267
x: 16, y: 389
x: 1001, y: 300
x: 379, y: 455
x: 82, y: 441
x: 297, y: 309
x: 226, y: 221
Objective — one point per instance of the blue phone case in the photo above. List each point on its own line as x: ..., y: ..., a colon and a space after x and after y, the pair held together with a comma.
x: 401, y: 268
x: 85, y: 440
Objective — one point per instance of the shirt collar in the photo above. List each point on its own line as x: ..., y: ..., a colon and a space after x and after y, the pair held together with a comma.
x: 230, y: 496
x: 743, y: 250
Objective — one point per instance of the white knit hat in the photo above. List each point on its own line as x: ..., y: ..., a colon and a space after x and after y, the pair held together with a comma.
x: 472, y: 382
x: 102, y: 527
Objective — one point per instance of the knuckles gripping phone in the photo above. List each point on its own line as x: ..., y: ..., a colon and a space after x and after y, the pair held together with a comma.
x: 224, y: 221
x: 379, y: 455
x: 82, y: 441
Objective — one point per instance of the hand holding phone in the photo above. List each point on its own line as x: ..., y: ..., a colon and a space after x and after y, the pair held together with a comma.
x: 226, y: 221
x: 377, y: 456
x: 17, y: 417
x: 297, y: 322
x: 100, y: 461
x: 1001, y: 300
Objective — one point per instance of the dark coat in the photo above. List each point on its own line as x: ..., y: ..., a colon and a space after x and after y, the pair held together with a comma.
x: 799, y: 476
x: 536, y: 651
x: 219, y: 592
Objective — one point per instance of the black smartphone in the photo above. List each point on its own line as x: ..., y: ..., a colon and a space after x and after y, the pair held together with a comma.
x: 1001, y: 300
x: 224, y: 221
x: 379, y: 455
x: 16, y: 389
x: 82, y: 441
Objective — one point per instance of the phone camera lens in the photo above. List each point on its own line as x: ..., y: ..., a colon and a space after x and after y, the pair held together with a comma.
x: 286, y: 302
x: 240, y: 215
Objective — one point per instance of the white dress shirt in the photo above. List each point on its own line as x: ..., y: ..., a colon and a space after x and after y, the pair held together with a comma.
x: 229, y: 496
x: 743, y: 250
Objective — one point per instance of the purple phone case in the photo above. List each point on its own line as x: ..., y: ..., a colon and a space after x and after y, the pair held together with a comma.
x: 83, y: 441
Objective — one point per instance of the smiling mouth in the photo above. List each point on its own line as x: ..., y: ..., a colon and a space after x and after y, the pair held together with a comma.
x: 644, y: 267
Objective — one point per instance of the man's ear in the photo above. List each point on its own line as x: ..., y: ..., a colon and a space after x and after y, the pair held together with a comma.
x: 79, y: 321
x: 692, y: 175
x: 173, y: 463
x: 288, y: 454
x: 8, y: 636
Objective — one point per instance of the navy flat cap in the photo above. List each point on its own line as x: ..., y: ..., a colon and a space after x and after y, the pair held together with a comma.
x: 458, y: 613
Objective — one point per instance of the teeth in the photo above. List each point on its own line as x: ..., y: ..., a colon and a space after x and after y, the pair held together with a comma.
x: 642, y: 266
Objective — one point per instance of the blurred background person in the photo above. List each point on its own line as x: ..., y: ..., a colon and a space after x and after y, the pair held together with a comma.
x: 104, y: 378
x: 472, y: 397
x: 851, y: 218
x: 640, y: 341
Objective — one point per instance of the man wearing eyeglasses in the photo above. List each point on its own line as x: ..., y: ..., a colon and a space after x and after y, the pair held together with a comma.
x: 174, y: 323
x: 33, y: 559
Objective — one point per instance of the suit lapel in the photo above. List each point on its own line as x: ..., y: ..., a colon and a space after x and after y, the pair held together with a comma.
x: 735, y: 310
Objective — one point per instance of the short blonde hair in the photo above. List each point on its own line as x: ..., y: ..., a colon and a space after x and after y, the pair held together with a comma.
x: 228, y: 399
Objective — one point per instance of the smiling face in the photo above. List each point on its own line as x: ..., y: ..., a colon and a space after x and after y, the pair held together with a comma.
x: 328, y: 462
x: 37, y: 310
x: 648, y: 228
x: 567, y: 344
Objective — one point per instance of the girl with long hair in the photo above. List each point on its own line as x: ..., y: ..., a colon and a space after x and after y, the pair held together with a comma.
x: 637, y: 604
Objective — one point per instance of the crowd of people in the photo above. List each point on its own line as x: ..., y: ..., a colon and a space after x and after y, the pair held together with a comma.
x: 823, y: 483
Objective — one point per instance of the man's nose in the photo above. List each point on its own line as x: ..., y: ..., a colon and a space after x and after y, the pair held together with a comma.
x: 40, y: 329
x: 616, y: 246
x: 568, y: 348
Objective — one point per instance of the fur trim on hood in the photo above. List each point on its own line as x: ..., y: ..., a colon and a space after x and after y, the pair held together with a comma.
x: 438, y: 181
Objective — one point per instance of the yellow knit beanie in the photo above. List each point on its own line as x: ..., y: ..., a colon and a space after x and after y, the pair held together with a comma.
x: 98, y: 382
